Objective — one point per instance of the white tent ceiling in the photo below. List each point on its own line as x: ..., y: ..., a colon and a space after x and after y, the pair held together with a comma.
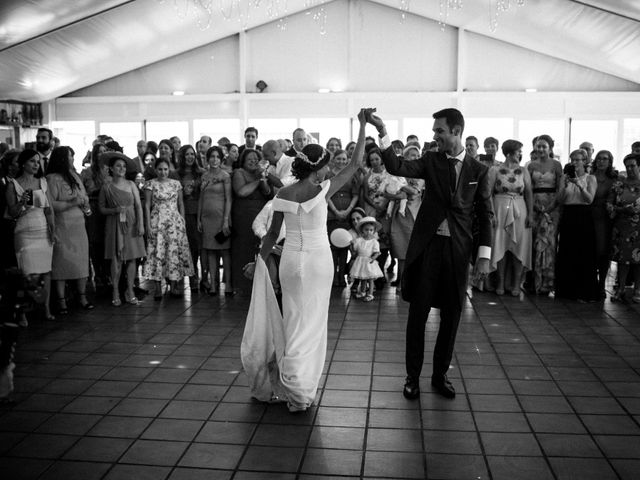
x: 49, y: 48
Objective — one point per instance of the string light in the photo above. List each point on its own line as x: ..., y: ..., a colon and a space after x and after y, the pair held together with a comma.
x: 405, y: 5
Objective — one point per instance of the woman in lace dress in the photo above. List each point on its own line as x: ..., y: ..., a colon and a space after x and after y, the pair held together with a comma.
x: 284, y: 356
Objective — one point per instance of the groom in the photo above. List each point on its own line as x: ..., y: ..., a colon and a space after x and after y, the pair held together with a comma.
x: 439, y: 251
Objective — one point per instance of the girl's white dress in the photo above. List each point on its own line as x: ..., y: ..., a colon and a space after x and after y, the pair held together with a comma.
x: 363, y: 268
x: 283, y: 355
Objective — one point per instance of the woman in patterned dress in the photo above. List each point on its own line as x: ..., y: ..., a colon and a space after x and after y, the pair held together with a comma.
x: 513, y: 210
x: 546, y: 176
x: 375, y: 203
x: 168, y: 249
x: 624, y: 206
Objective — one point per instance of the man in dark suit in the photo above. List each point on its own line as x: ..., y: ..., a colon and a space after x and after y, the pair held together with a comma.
x: 437, y: 259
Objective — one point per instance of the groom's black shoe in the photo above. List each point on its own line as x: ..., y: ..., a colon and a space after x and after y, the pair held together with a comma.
x: 443, y: 386
x: 411, y: 389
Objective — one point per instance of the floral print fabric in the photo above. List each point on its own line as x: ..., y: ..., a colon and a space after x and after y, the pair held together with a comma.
x: 168, y: 250
x: 626, y: 226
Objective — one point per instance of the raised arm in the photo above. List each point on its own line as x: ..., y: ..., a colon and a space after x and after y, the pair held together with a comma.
x: 350, y: 170
x: 393, y: 164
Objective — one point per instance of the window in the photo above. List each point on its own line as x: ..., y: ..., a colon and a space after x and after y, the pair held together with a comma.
x: 630, y: 134
x: 78, y: 135
x: 218, y: 128
x: 271, y: 128
x: 529, y: 129
x: 126, y: 134
x: 157, y: 131
x: 391, y: 125
x: 422, y: 127
x: 481, y: 128
x: 325, y: 128
x: 602, y: 133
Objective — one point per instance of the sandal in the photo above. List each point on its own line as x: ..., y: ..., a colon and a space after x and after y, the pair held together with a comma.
x: 359, y: 294
x: 368, y: 298
x: 130, y: 300
x: 87, y: 305
x: 116, y: 302
x: 618, y: 296
x: 62, y: 306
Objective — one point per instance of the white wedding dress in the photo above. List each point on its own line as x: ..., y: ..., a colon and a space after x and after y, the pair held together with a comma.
x: 283, y: 355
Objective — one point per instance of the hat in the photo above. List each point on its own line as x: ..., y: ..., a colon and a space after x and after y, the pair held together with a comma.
x: 367, y: 220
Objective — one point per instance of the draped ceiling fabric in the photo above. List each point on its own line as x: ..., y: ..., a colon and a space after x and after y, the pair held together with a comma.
x: 49, y: 48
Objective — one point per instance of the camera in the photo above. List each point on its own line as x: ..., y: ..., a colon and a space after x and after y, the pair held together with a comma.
x: 570, y: 170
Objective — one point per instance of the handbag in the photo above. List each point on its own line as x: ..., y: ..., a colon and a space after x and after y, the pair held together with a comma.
x: 221, y: 237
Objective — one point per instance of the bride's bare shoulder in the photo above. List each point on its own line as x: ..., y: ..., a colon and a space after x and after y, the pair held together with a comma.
x: 287, y: 193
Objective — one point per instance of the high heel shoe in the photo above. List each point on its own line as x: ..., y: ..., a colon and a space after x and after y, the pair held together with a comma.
x: 86, y: 305
x: 62, y: 306
x: 130, y: 299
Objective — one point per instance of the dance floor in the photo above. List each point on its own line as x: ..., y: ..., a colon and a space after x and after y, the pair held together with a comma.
x: 546, y: 390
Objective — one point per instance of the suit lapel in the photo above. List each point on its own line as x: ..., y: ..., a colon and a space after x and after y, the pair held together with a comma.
x: 465, y: 175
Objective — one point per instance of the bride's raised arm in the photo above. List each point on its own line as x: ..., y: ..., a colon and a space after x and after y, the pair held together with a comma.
x: 356, y: 158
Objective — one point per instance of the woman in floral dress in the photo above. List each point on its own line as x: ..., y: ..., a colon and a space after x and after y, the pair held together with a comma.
x: 624, y: 206
x: 512, y: 206
x: 168, y: 249
x: 546, y: 176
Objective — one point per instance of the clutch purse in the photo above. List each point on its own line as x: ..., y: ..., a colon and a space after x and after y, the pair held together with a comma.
x: 221, y: 237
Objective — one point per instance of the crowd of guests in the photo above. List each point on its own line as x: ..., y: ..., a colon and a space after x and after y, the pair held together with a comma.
x: 178, y: 215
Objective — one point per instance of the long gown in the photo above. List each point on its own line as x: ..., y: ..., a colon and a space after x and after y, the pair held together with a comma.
x: 283, y: 355
x: 545, y: 228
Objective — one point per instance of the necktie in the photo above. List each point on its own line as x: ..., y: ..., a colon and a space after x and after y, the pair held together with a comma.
x: 453, y: 180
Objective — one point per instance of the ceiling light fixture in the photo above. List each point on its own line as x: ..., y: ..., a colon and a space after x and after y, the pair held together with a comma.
x: 178, y: 93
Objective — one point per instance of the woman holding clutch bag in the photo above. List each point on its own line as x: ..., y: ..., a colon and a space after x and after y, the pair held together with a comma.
x: 214, y: 209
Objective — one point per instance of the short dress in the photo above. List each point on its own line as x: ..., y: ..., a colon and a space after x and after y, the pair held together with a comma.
x: 212, y: 213
x: 121, y: 231
x: 34, y: 251
x: 363, y: 268
x: 168, y: 254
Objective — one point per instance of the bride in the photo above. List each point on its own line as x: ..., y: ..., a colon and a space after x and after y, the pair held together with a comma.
x: 283, y: 354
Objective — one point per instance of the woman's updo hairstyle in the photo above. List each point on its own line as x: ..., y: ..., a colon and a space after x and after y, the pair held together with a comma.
x: 312, y: 158
x: 547, y: 138
x: 510, y: 147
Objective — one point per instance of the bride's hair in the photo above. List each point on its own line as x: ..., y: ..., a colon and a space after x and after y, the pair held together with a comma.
x: 312, y: 158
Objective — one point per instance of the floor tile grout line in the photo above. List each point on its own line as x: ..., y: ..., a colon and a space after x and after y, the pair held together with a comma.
x: 563, y: 395
x: 517, y: 397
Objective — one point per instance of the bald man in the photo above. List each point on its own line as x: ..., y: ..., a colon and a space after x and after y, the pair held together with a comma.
x: 279, y: 171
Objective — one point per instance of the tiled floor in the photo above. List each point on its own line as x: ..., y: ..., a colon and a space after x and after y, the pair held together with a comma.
x: 546, y: 390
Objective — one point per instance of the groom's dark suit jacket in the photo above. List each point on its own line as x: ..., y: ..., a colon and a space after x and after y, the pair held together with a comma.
x: 441, y: 201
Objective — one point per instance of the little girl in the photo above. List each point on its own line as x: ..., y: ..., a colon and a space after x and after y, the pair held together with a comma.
x: 366, y: 249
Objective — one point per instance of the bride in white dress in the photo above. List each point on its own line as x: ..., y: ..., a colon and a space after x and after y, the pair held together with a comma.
x: 283, y: 354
